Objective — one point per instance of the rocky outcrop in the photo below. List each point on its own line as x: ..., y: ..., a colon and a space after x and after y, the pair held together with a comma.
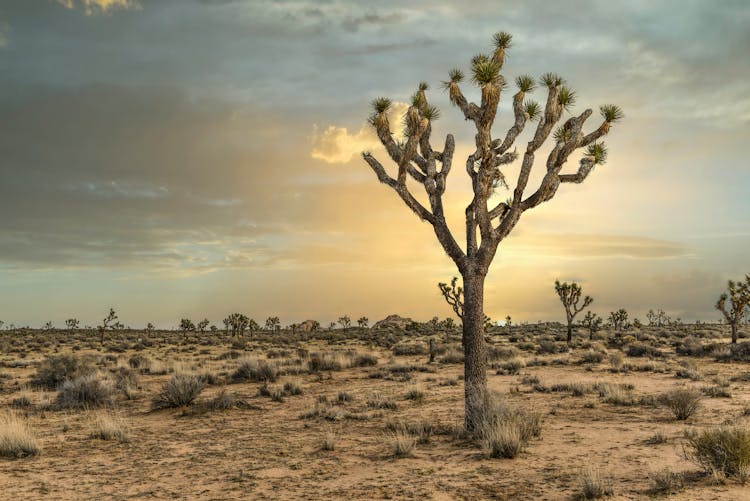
x: 393, y: 321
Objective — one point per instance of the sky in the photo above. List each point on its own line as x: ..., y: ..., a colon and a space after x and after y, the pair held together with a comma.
x: 194, y: 158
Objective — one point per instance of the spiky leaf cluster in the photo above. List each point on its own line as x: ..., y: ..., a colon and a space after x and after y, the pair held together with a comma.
x: 486, y: 72
x: 502, y: 40
x: 567, y: 97
x: 381, y: 104
x: 551, y: 80
x: 533, y: 109
x: 597, y: 150
x: 611, y: 113
x: 525, y: 83
x: 562, y: 134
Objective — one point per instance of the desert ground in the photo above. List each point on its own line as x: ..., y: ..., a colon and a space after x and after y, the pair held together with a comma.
x: 362, y: 414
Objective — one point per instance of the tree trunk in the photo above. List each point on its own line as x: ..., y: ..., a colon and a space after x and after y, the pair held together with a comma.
x: 734, y: 332
x: 570, y: 332
x: 475, y: 351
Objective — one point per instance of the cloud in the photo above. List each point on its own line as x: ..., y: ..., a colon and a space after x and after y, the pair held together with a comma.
x: 92, y: 7
x: 600, y: 246
x: 335, y: 145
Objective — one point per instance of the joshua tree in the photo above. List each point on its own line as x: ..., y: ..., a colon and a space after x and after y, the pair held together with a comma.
x: 252, y: 326
x: 418, y: 161
x: 733, y: 304
x: 71, y: 324
x: 186, y: 325
x: 331, y: 326
x: 345, y: 322
x: 592, y: 322
x: 618, y: 318
x: 109, y: 322
x: 363, y: 321
x: 237, y: 322
x: 570, y: 297
x: 508, y: 321
x: 273, y: 323
x: 48, y: 326
x: 150, y: 327
x: 202, y: 325
x: 449, y: 324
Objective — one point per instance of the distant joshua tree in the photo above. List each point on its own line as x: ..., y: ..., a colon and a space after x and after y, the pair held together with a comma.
x: 618, y: 319
x: 72, y: 324
x: 237, y: 323
x: 592, y: 322
x: 657, y: 318
x: 332, y: 326
x: 150, y: 328
x: 186, y: 325
x: 345, y: 322
x: 48, y: 326
x: 418, y: 161
x: 252, y: 327
x: 570, y: 297
x: 363, y: 322
x: 448, y: 324
x: 273, y: 323
x: 508, y: 321
x: 733, y: 304
x: 202, y: 325
x: 110, y: 322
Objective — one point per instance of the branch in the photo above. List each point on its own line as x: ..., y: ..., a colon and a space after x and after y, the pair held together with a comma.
x: 401, y: 189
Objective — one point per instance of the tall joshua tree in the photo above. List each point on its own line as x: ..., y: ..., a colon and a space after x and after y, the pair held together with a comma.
x: 734, y: 303
x: 487, y: 167
x: 570, y: 297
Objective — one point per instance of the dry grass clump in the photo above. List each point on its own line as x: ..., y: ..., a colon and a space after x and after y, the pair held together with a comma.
x: 452, y: 356
x: 415, y: 393
x: 503, y: 431
x: 140, y: 362
x: 180, y: 390
x: 512, y: 366
x: 292, y: 388
x: 682, y: 402
x: 594, y: 485
x: 615, y: 394
x: 364, y: 360
x: 415, y: 348
x: 320, y: 362
x: 380, y: 401
x: 107, y: 426
x: 689, y: 370
x: 666, y: 481
x: 55, y: 370
x: 255, y: 370
x: 421, y: 430
x: 330, y: 440
x: 723, y: 451
x: 85, y: 392
x: 401, y: 443
x: 16, y: 439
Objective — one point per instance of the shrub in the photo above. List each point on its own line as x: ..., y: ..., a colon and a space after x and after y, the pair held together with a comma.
x: 682, y: 402
x: 16, y: 440
x: 666, y: 481
x: 344, y: 397
x: 140, y: 362
x: 504, y: 431
x: 325, y: 362
x: 502, y: 440
x: 452, y: 356
x: 724, y: 450
x: 402, y: 444
x: 223, y: 401
x: 292, y: 388
x: 106, y: 426
x: 180, y: 390
x: 365, y: 360
x: 644, y: 350
x: 330, y: 440
x: 257, y: 371
x: 739, y: 352
x: 55, y: 370
x: 689, y: 371
x: 415, y: 393
x: 512, y: 366
x: 410, y: 349
x: 379, y: 401
x: 593, y: 485
x: 85, y: 391
x: 592, y: 357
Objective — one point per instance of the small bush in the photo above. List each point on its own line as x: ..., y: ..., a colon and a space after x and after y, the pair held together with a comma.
x: 106, y: 426
x: 325, y: 362
x: 415, y: 393
x: 644, y: 350
x: 593, y: 357
x: 292, y: 388
x: 402, y: 349
x: 365, y: 360
x: 402, y: 444
x: 503, y: 440
x: 593, y: 485
x: 724, y: 450
x: 512, y: 366
x: 180, y: 390
x: 344, y: 397
x: 689, y: 370
x: 16, y: 440
x: 682, y: 402
x: 257, y: 371
x: 84, y: 392
x: 452, y: 356
x: 140, y: 362
x: 330, y: 441
x: 55, y: 370
x: 666, y: 481
x: 379, y: 401
x: 739, y: 352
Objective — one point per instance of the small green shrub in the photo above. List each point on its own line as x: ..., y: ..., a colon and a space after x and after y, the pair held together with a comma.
x: 724, y: 450
x: 180, y: 390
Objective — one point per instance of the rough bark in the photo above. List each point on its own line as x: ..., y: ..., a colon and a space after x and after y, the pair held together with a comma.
x: 475, y: 351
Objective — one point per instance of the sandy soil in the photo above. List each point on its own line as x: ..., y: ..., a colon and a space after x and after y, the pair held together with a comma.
x: 268, y: 451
